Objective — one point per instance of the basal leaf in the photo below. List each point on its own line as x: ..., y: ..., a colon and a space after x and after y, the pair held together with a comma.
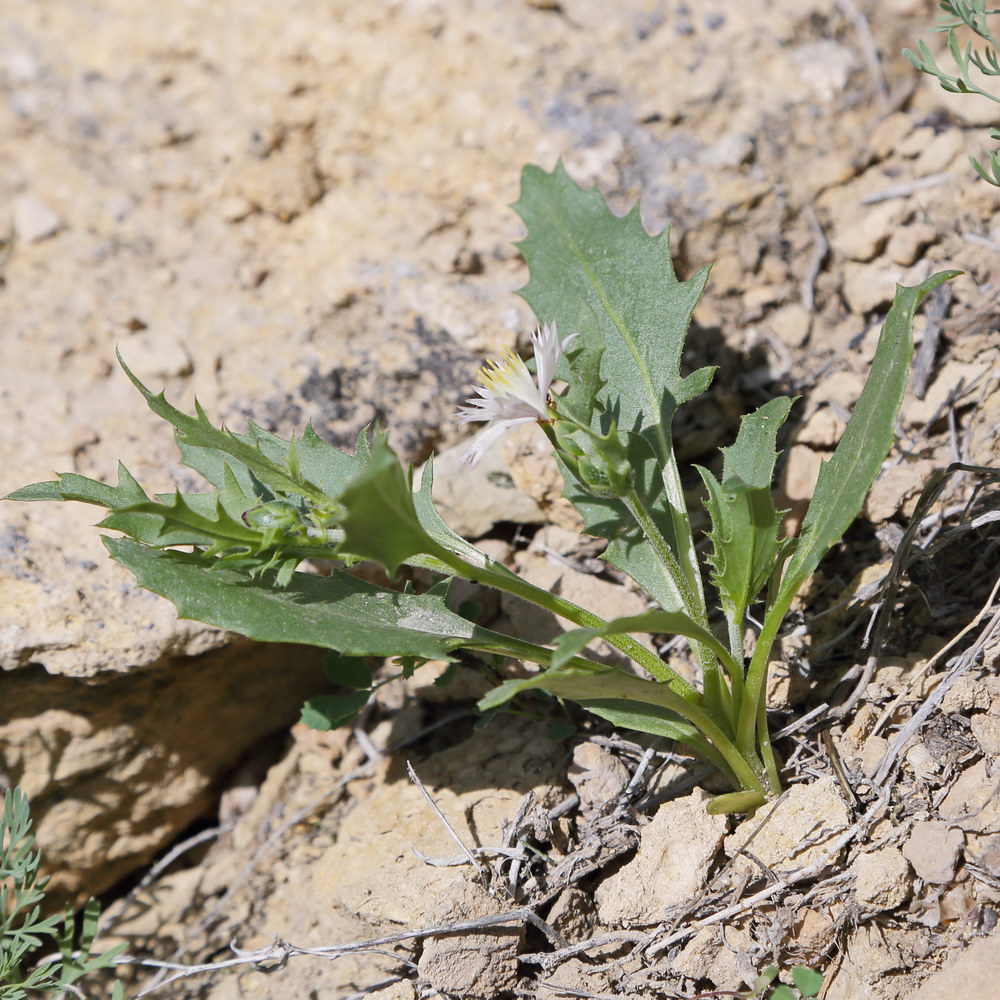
x: 745, y: 542
x: 337, y: 612
x: 845, y: 479
x: 648, y: 706
x: 669, y: 622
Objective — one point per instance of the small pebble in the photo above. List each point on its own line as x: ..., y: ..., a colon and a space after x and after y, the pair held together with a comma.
x: 33, y: 219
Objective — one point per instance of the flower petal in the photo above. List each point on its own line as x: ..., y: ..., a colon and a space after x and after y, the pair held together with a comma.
x: 482, y: 442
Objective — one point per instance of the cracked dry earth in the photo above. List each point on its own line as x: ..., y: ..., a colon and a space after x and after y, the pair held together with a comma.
x: 297, y: 212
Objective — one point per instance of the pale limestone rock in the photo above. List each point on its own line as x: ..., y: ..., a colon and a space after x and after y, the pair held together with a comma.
x: 471, y: 964
x: 907, y: 243
x: 986, y: 730
x: 283, y: 180
x: 114, y: 771
x: 541, y: 565
x: 973, y: 804
x: 947, y: 381
x: 720, y: 958
x: 675, y: 852
x: 972, y: 693
x: 933, y: 848
x: 532, y: 466
x: 402, y: 990
x: 474, y: 499
x: 865, y: 239
x: 872, y: 753
x: 947, y: 150
x: 972, y: 972
x: 573, y: 914
x: 895, y: 486
x: 873, y: 966
x: 870, y: 286
x: 824, y: 67
x: 33, y: 219
x: 798, y: 477
x: 793, y: 832
x: 598, y: 777
x: 791, y: 323
x: 881, y: 879
x: 159, y: 355
x: 370, y: 878
x: 822, y: 430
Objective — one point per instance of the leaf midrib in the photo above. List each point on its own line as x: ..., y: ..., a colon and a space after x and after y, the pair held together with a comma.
x: 619, y: 324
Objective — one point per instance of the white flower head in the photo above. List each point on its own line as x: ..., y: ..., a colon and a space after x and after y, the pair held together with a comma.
x: 508, y: 393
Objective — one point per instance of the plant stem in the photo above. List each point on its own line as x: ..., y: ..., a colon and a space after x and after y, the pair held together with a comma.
x: 735, y: 630
x: 766, y: 750
x: 583, y: 680
x: 672, y: 571
x: 511, y: 584
x: 756, y: 681
x: 717, y: 696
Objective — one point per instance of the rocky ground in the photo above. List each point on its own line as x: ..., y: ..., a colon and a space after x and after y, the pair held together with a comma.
x: 297, y: 212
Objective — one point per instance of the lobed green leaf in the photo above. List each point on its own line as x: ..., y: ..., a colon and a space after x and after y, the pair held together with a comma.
x: 338, y: 612
x: 605, y: 278
x: 745, y: 542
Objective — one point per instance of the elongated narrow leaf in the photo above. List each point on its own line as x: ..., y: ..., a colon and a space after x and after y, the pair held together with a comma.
x: 656, y: 721
x: 648, y: 706
x: 70, y: 486
x: 844, y: 480
x: 670, y: 622
x: 745, y: 543
x: 337, y: 612
x: 643, y: 718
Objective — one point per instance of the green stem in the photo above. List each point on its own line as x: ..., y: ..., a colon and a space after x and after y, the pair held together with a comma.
x: 756, y: 682
x: 682, y: 526
x: 717, y: 696
x: 735, y: 629
x: 766, y: 751
x: 753, y: 709
x: 590, y: 681
x: 511, y: 584
x: 673, y: 573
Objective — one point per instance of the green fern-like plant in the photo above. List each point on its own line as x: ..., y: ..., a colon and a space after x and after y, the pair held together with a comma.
x: 974, y: 15
x: 23, y: 929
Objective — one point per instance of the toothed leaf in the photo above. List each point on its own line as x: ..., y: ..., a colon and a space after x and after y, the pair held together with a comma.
x: 745, y: 542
